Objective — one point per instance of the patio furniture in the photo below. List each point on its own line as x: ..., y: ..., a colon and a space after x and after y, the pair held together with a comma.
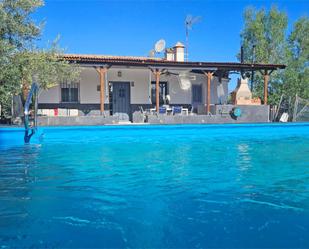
x: 141, y: 109
x: 162, y: 110
x: 152, y: 110
x: 177, y: 110
x: 144, y: 113
x: 168, y: 109
x: 225, y: 111
x: 185, y: 111
x: 191, y: 112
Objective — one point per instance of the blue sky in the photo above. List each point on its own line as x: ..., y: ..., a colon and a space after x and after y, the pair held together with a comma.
x: 126, y: 27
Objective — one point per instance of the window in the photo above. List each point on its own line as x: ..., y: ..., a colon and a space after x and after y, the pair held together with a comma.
x: 69, y: 92
x: 163, y: 91
x: 197, y: 93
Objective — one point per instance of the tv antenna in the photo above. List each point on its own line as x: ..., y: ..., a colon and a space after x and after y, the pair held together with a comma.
x: 189, y: 21
x: 158, y: 48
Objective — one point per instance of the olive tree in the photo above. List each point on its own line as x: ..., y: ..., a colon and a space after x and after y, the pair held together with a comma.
x: 21, y: 59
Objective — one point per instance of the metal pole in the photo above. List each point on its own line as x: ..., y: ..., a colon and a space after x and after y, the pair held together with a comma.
x: 36, y: 108
x: 252, y: 72
x: 266, y: 78
x: 187, y: 43
x: 157, y: 74
x: 241, y: 59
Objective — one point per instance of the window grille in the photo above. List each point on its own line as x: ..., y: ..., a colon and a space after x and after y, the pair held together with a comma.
x: 69, y: 92
x: 163, y: 91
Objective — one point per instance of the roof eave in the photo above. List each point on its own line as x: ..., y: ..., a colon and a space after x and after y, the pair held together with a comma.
x: 151, y: 62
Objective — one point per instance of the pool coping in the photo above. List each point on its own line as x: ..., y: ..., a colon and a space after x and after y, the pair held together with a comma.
x: 135, y: 125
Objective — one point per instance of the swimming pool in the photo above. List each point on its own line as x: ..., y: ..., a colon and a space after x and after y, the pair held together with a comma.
x: 188, y: 186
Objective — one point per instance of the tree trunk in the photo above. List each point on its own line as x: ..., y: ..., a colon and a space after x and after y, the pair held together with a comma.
x: 25, y: 90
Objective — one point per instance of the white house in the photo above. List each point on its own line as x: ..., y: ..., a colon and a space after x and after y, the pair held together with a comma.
x: 122, y: 85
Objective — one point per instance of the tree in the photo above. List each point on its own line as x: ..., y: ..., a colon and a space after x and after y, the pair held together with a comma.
x: 46, y: 66
x: 20, y: 59
x: 267, y: 32
x: 296, y: 75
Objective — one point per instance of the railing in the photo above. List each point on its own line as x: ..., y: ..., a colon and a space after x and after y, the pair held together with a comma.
x: 30, y: 129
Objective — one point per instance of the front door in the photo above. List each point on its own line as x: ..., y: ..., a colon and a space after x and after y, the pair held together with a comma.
x: 121, y: 100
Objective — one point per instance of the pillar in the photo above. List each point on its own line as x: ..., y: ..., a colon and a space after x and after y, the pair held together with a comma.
x: 209, y: 76
x: 157, y: 75
x: 102, y: 74
x: 266, y: 79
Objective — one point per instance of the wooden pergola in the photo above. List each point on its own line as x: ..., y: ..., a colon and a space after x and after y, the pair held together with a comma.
x: 160, y: 66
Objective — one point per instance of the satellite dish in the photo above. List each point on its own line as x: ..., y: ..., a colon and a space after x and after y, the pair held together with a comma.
x: 151, y: 53
x: 160, y: 46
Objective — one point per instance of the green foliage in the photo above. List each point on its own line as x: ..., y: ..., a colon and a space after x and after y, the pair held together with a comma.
x: 46, y: 67
x: 296, y: 75
x: 20, y: 59
x: 266, y: 31
x: 16, y: 25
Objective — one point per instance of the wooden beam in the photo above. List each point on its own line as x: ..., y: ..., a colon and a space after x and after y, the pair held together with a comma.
x: 209, y: 76
x: 157, y: 75
x: 157, y: 72
x: 266, y: 79
x: 102, y: 74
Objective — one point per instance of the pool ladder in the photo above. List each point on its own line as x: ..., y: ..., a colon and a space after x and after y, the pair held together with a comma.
x: 30, y: 129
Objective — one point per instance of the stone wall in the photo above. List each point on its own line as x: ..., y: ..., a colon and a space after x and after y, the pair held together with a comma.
x: 78, y: 120
x: 250, y: 114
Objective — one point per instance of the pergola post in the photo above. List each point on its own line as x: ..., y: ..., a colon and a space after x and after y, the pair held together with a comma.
x: 209, y: 76
x: 266, y: 79
x: 102, y: 74
x: 157, y: 74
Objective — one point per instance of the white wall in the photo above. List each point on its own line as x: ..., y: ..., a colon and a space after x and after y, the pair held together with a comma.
x: 52, y: 95
x: 225, y: 84
x: 140, y: 90
x: 178, y: 96
x: 89, y: 80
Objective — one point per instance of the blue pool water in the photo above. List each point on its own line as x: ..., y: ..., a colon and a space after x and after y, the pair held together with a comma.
x: 235, y: 186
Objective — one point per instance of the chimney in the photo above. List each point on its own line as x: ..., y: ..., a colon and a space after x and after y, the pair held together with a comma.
x: 242, y: 54
x: 242, y: 94
x: 179, y: 52
x: 169, y: 54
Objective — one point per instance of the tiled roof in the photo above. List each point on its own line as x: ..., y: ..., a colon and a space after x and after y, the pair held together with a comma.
x: 109, y: 57
x: 160, y: 62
